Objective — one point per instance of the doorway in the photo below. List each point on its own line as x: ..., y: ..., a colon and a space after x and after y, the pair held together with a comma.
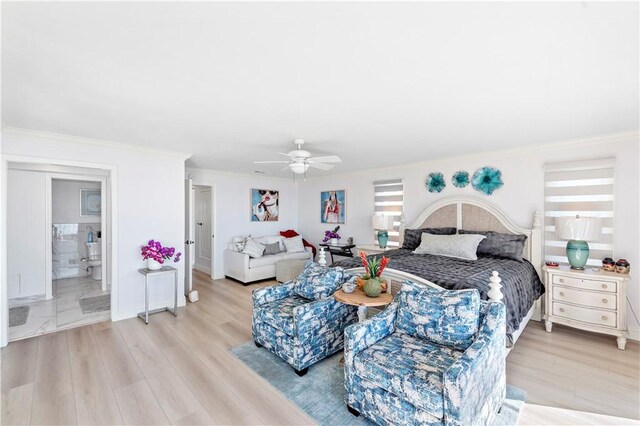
x: 58, y: 262
x: 203, y: 229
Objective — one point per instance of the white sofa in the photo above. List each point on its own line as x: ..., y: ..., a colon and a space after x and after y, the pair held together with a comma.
x: 241, y: 267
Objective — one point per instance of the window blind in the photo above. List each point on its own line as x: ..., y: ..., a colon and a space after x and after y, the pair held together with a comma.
x: 388, y: 200
x: 584, y: 188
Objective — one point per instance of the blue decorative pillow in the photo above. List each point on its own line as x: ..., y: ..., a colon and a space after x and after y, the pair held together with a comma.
x: 318, y: 282
x: 447, y: 317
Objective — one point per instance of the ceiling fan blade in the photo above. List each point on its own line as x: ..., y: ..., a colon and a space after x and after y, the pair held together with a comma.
x: 325, y: 159
x: 285, y: 168
x: 272, y: 162
x: 284, y: 153
x: 321, y: 166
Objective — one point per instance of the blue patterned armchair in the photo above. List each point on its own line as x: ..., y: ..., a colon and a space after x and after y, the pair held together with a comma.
x: 300, y: 321
x: 427, y: 359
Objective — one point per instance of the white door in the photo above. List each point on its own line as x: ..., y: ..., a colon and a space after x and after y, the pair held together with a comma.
x: 203, y: 229
x: 188, y: 243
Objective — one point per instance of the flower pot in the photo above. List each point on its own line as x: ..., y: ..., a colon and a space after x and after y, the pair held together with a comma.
x: 372, y: 287
x: 333, y: 241
x: 152, y: 265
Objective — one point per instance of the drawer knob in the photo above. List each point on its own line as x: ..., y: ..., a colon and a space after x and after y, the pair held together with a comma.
x: 561, y: 309
x: 561, y: 280
x: 562, y: 293
x: 604, y: 286
x: 604, y: 318
x: 604, y: 300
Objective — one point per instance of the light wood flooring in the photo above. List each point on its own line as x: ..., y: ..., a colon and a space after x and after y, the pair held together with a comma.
x: 179, y: 371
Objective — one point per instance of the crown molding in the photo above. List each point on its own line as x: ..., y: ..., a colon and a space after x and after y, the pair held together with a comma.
x: 236, y: 174
x: 78, y: 140
x: 582, y: 142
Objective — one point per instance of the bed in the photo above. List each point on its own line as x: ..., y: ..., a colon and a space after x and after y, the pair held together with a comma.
x: 517, y: 284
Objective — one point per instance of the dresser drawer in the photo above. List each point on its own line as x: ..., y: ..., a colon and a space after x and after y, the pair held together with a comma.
x: 592, y: 316
x: 609, y: 286
x: 587, y: 298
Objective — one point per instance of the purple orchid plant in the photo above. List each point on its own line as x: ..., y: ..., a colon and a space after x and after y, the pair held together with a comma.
x: 331, y: 234
x: 154, y: 250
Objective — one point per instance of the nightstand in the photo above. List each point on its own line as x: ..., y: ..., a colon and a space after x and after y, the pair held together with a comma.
x: 589, y: 300
x: 372, y: 249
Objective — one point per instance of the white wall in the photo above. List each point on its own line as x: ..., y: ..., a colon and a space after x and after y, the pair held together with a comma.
x: 149, y: 203
x: 521, y: 195
x: 65, y: 200
x: 232, y: 215
x: 26, y: 230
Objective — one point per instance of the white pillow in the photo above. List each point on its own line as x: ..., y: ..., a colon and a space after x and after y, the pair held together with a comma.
x: 462, y: 246
x: 253, y: 248
x: 294, y: 244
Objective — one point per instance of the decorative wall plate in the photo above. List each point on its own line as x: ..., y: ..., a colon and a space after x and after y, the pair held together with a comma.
x: 487, y: 180
x: 435, y: 182
x: 460, y: 179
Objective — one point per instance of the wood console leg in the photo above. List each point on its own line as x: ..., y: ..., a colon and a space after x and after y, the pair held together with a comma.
x: 622, y: 343
x: 548, y: 325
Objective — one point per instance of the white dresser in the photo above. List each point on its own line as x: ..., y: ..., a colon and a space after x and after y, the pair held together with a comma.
x: 593, y: 301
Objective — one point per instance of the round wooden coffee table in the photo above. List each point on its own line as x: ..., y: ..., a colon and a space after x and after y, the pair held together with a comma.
x: 362, y: 301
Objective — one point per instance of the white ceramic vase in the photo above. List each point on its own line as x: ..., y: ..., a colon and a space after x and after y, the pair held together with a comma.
x: 152, y: 265
x: 333, y: 241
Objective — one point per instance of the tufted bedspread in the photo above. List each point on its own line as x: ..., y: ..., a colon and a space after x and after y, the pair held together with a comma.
x: 521, y: 285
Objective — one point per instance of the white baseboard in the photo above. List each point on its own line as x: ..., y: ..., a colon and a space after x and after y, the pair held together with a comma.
x: 182, y: 301
x: 634, y: 333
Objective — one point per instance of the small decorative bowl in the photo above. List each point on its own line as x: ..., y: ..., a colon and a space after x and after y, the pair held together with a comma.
x: 552, y: 264
x: 348, y: 287
x: 608, y: 264
x: 622, y: 266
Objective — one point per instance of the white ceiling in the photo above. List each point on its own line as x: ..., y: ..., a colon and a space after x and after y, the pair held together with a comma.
x: 376, y: 83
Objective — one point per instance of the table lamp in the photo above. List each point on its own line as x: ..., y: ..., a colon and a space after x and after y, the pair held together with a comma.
x: 381, y: 224
x: 578, y: 230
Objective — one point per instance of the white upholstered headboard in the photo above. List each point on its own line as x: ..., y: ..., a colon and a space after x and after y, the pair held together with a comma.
x: 476, y: 214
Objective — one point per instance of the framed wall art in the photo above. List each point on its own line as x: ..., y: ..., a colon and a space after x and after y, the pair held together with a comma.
x: 333, y: 206
x: 265, y: 205
x: 90, y: 202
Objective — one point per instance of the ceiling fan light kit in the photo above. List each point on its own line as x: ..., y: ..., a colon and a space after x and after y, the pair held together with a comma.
x: 298, y: 168
x: 300, y: 160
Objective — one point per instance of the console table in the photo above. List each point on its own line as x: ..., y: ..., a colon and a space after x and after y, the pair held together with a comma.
x: 151, y: 273
x: 338, y: 250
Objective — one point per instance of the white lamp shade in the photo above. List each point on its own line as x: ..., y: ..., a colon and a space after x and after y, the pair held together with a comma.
x: 578, y: 228
x: 298, y: 167
x: 379, y: 221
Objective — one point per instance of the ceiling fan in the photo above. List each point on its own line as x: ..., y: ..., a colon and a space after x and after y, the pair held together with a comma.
x: 300, y: 160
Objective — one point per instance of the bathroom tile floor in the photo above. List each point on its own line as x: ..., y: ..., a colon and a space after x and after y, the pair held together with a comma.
x: 41, y: 319
x: 62, y: 311
x: 69, y: 292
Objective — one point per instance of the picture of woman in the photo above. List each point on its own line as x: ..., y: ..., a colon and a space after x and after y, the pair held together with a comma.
x: 264, y: 205
x: 333, y: 206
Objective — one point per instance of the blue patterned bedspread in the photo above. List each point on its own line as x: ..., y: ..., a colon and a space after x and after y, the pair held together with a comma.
x: 521, y: 284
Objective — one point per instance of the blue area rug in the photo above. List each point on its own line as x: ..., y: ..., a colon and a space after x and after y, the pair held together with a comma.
x: 320, y: 393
